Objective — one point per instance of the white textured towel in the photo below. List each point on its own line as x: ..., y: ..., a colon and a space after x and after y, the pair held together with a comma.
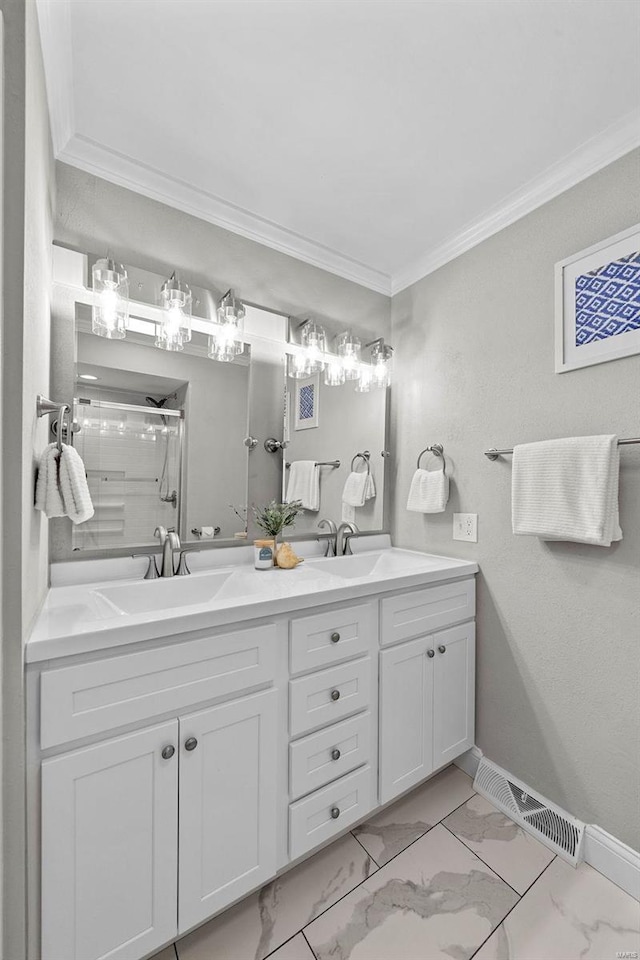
x: 567, y: 490
x: 358, y: 488
x: 429, y: 491
x: 304, y: 484
x: 61, y: 488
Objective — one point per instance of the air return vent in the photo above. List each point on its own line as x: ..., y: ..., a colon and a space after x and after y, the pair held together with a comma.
x: 539, y: 817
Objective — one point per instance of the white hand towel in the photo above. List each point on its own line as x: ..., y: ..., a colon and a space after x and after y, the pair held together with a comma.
x: 48, y: 496
x: 429, y: 491
x: 358, y: 488
x: 304, y: 484
x: 567, y: 490
x: 73, y: 486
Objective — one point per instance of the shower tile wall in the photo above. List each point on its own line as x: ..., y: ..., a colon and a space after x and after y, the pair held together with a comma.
x: 124, y: 455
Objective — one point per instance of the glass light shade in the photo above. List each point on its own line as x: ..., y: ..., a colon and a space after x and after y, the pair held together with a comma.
x: 365, y: 378
x: 110, y: 311
x: 314, y: 339
x: 175, y: 326
x: 227, y: 341
x: 349, y: 348
x: 381, y: 364
x: 297, y: 366
x: 334, y: 373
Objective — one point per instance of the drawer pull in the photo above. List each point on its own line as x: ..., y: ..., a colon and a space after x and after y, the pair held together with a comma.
x: 168, y: 752
x: 335, y: 754
x: 442, y: 648
x: 335, y: 813
x: 335, y: 637
x: 335, y: 694
x: 431, y: 653
x: 191, y: 743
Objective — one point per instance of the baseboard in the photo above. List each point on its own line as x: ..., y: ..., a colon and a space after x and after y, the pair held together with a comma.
x: 606, y: 854
x: 468, y: 762
x: 609, y: 856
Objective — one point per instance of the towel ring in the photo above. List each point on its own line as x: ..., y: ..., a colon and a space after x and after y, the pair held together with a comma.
x: 363, y: 456
x: 438, y: 451
x: 45, y: 407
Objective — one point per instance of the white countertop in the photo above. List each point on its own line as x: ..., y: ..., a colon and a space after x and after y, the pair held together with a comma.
x: 83, y: 617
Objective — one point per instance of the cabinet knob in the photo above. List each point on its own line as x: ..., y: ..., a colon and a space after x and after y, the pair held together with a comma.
x: 442, y: 648
x: 335, y: 637
x: 335, y: 694
x: 335, y: 813
x: 168, y: 752
x: 430, y: 653
x: 191, y: 743
x: 335, y: 754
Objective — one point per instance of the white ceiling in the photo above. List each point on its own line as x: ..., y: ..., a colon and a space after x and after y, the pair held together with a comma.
x: 376, y: 139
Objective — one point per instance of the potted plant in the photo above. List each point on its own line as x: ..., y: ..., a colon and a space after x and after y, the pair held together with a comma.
x: 274, y: 517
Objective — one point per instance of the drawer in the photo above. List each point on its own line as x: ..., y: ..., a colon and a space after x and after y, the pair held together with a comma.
x: 414, y: 614
x: 324, y: 756
x: 92, y: 697
x: 328, y: 811
x: 330, y: 637
x: 329, y: 695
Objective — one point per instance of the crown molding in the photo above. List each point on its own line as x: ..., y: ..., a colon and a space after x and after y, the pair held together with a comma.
x: 601, y: 150
x: 54, y: 18
x: 118, y: 168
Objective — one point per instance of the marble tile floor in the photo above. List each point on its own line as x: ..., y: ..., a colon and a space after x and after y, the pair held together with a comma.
x: 439, y: 874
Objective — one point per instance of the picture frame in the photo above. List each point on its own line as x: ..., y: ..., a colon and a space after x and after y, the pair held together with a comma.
x: 305, y: 411
x: 597, y: 303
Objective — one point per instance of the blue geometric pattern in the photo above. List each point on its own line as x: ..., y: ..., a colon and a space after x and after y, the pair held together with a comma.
x: 307, y: 402
x: 608, y: 300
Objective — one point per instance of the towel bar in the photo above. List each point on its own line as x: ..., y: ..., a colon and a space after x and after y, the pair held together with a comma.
x: 493, y: 454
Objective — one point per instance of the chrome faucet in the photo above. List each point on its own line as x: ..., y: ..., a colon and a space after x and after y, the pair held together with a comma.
x: 170, y: 543
x: 332, y: 540
x: 343, y: 538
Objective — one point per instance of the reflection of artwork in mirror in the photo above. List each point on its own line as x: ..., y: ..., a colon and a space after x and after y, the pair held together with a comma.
x: 161, y: 435
x: 307, y: 402
x: 350, y: 422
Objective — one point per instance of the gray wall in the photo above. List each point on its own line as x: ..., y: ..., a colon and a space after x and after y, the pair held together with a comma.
x: 28, y: 190
x: 558, y: 651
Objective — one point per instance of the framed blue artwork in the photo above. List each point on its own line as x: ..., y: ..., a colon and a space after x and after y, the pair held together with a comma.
x: 306, y: 405
x: 598, y: 303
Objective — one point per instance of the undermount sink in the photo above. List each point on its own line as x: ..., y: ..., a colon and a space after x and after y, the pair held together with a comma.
x: 147, y: 596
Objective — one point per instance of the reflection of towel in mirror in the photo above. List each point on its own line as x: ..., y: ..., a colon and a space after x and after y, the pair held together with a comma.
x: 358, y: 488
x: 61, y: 488
x: 304, y: 484
x: 429, y: 491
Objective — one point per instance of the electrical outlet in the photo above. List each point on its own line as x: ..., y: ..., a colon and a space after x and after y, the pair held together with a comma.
x: 465, y: 527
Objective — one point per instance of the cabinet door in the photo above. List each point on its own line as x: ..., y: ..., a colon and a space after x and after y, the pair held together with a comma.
x: 454, y: 692
x: 406, y: 708
x: 109, y: 848
x: 227, y: 804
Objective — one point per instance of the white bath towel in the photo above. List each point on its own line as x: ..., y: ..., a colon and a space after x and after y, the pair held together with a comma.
x: 429, y: 491
x: 567, y: 490
x: 358, y: 488
x: 61, y: 488
x: 304, y: 484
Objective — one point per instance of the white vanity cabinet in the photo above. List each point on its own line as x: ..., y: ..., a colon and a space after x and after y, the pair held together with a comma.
x: 172, y: 777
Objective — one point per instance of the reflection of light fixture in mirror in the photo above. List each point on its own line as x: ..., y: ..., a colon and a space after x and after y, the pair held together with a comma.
x: 365, y: 376
x: 381, y: 363
x: 349, y: 352
x: 314, y: 339
x: 297, y: 366
x: 110, y: 310
x: 334, y: 375
x: 87, y: 376
x: 175, y: 326
x: 226, y: 342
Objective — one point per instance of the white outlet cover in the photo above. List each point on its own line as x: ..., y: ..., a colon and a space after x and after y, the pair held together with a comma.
x: 465, y: 527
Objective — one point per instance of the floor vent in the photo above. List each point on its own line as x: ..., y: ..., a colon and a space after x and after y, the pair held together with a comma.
x: 539, y: 817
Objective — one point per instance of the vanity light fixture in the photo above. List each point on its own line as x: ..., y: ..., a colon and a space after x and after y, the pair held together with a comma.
x: 334, y: 372
x: 226, y: 341
x: 381, y: 355
x: 297, y: 366
x: 110, y: 311
x: 175, y: 327
x: 314, y: 339
x: 349, y: 352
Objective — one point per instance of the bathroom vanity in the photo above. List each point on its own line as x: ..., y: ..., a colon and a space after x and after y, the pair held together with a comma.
x: 190, y: 739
